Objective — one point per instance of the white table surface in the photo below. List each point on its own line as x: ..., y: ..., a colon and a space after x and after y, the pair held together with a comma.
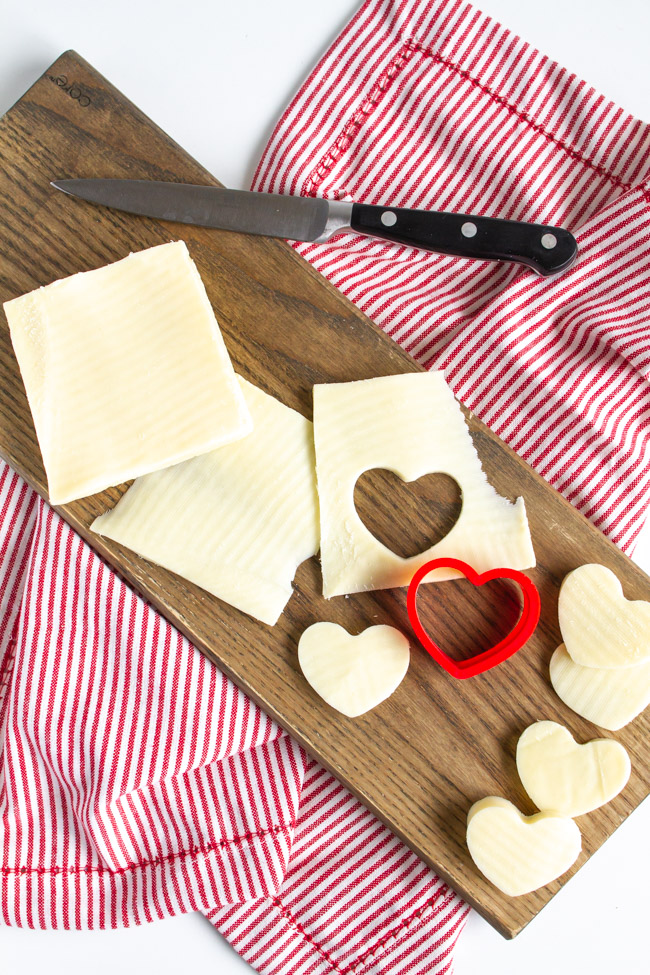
x: 215, y: 74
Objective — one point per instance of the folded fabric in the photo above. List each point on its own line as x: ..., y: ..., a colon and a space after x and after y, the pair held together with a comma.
x: 135, y: 780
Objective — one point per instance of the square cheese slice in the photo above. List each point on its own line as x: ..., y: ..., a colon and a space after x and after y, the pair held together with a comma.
x: 237, y: 521
x: 411, y: 425
x: 126, y: 371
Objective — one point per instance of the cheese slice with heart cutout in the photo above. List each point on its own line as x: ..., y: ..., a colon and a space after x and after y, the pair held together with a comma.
x: 411, y: 425
x: 236, y: 521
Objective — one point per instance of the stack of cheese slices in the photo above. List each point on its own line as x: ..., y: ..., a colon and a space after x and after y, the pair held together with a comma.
x: 128, y: 376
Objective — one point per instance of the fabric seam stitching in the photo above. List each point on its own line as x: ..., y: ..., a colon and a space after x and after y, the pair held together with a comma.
x: 156, y: 861
x: 6, y: 677
x: 5, y: 680
x: 353, y: 126
x: 353, y: 966
x: 384, y: 82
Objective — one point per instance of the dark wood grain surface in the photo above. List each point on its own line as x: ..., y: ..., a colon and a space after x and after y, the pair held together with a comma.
x: 423, y: 757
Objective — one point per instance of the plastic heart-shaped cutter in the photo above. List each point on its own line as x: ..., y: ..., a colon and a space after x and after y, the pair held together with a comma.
x: 518, y: 636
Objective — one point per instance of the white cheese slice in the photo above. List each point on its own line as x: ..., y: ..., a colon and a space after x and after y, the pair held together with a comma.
x: 411, y: 425
x: 599, y: 626
x: 570, y: 779
x: 236, y: 521
x: 518, y: 853
x: 609, y: 697
x: 353, y: 673
x: 125, y: 370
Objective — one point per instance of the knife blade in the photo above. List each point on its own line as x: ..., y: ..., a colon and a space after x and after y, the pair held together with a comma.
x: 544, y: 249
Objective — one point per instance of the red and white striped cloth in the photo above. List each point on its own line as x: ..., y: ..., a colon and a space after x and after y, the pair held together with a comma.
x: 135, y: 781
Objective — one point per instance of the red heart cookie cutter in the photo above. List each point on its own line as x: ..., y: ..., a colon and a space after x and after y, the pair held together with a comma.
x: 520, y: 633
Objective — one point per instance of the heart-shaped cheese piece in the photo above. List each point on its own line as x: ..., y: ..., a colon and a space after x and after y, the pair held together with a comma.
x: 353, y: 673
x: 599, y: 626
x: 609, y: 698
x: 520, y: 853
x: 564, y: 777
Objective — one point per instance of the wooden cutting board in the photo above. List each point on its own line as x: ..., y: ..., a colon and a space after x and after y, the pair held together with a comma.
x: 423, y: 757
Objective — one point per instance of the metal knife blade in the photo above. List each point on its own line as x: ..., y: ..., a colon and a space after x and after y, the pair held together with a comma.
x: 545, y: 249
x: 265, y: 214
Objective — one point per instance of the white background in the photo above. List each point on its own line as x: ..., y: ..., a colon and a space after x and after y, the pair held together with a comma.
x: 215, y: 75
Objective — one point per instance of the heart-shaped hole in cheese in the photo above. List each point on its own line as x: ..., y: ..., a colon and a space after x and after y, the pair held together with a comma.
x: 562, y: 776
x: 408, y: 517
x: 518, y: 853
x: 412, y: 425
x: 353, y: 673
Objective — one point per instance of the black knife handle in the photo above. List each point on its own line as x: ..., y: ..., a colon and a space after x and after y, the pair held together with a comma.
x: 547, y: 250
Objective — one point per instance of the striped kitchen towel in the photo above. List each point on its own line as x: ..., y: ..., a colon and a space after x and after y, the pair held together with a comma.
x: 136, y: 781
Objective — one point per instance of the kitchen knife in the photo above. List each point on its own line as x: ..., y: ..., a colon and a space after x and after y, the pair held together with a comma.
x: 546, y: 250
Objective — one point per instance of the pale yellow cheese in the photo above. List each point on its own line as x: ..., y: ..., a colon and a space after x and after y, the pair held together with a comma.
x: 599, y: 626
x: 353, y: 673
x: 518, y: 853
x: 609, y: 697
x: 236, y: 521
x: 412, y: 425
x: 570, y: 779
x: 125, y: 370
